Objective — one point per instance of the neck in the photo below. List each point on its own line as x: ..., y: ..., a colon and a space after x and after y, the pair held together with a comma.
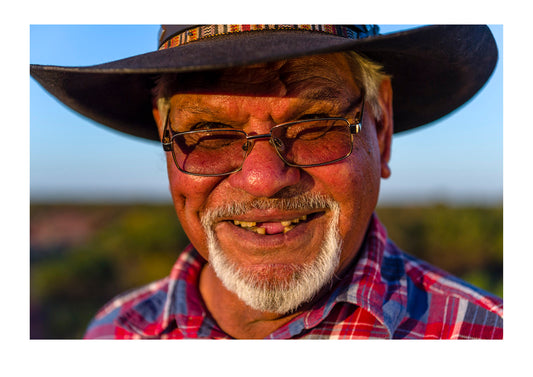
x: 232, y: 315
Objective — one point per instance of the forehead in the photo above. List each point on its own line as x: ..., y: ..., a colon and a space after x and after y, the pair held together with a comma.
x: 314, y: 77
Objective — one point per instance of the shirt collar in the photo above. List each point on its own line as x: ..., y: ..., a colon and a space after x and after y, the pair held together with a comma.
x: 378, y: 282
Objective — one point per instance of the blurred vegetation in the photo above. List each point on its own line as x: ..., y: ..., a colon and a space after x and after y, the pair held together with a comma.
x: 128, y: 246
x: 466, y: 241
x: 83, y: 255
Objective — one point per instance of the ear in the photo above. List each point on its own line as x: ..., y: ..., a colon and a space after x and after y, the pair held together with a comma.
x: 385, y: 126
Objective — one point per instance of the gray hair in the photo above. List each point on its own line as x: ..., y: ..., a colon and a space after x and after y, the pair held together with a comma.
x: 369, y: 76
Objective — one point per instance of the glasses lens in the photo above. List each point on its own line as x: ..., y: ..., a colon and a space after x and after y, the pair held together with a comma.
x: 209, y: 152
x: 313, y: 142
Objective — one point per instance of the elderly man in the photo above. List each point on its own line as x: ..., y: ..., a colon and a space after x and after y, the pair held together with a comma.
x: 277, y: 137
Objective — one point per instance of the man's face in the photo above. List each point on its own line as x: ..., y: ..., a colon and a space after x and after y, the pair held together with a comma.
x: 268, y: 192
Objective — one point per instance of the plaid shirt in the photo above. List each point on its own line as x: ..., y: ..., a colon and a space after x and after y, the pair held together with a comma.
x: 387, y: 294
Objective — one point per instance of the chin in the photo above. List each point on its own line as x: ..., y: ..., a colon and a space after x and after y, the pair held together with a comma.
x: 278, y: 287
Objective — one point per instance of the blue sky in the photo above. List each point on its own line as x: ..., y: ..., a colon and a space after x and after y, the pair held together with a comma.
x: 459, y: 158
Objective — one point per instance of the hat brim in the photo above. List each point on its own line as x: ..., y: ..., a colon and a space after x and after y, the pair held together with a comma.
x: 435, y: 70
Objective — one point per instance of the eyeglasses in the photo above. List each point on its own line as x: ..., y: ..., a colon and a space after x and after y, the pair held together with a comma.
x: 302, y: 143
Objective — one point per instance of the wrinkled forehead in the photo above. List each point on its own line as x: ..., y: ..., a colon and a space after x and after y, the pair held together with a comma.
x: 315, y: 77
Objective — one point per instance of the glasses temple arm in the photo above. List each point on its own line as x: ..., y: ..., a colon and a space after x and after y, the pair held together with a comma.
x: 166, y: 140
x: 356, y: 127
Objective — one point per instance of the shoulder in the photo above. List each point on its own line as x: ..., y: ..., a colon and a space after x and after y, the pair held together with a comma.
x: 439, y: 282
x: 451, y: 306
x: 106, y: 322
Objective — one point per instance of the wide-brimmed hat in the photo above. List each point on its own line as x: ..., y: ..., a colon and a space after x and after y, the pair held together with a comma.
x: 435, y: 69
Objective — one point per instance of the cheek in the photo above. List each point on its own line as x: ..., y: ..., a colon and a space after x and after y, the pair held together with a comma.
x: 355, y: 184
x: 357, y: 192
x: 367, y: 170
x: 189, y: 195
x: 356, y: 181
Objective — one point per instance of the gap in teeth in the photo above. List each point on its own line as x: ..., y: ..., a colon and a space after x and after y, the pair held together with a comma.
x: 287, y: 228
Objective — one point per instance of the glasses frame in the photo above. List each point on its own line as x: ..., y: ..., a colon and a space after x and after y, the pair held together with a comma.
x: 169, y: 135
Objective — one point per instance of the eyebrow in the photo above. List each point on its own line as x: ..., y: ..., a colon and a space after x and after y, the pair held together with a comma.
x: 188, y: 110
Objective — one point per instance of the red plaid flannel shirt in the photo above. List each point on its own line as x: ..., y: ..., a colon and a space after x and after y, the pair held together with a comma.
x: 387, y: 294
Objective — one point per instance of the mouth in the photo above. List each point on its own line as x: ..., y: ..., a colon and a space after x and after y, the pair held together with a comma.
x: 272, y: 227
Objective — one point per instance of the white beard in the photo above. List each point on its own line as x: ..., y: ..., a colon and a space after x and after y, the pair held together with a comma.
x: 306, y: 280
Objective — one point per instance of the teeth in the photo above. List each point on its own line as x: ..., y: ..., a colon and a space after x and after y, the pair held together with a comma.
x: 245, y: 224
x: 287, y: 225
x: 258, y: 230
x: 287, y: 228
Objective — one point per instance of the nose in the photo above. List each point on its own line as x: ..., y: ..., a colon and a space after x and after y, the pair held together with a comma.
x: 263, y: 173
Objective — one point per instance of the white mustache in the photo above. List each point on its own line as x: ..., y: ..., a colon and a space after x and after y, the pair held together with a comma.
x: 303, y: 202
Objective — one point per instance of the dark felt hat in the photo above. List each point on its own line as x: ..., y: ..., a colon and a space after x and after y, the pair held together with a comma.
x: 435, y: 69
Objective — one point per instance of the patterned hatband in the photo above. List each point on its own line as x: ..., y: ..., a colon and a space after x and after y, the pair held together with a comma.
x: 208, y: 31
